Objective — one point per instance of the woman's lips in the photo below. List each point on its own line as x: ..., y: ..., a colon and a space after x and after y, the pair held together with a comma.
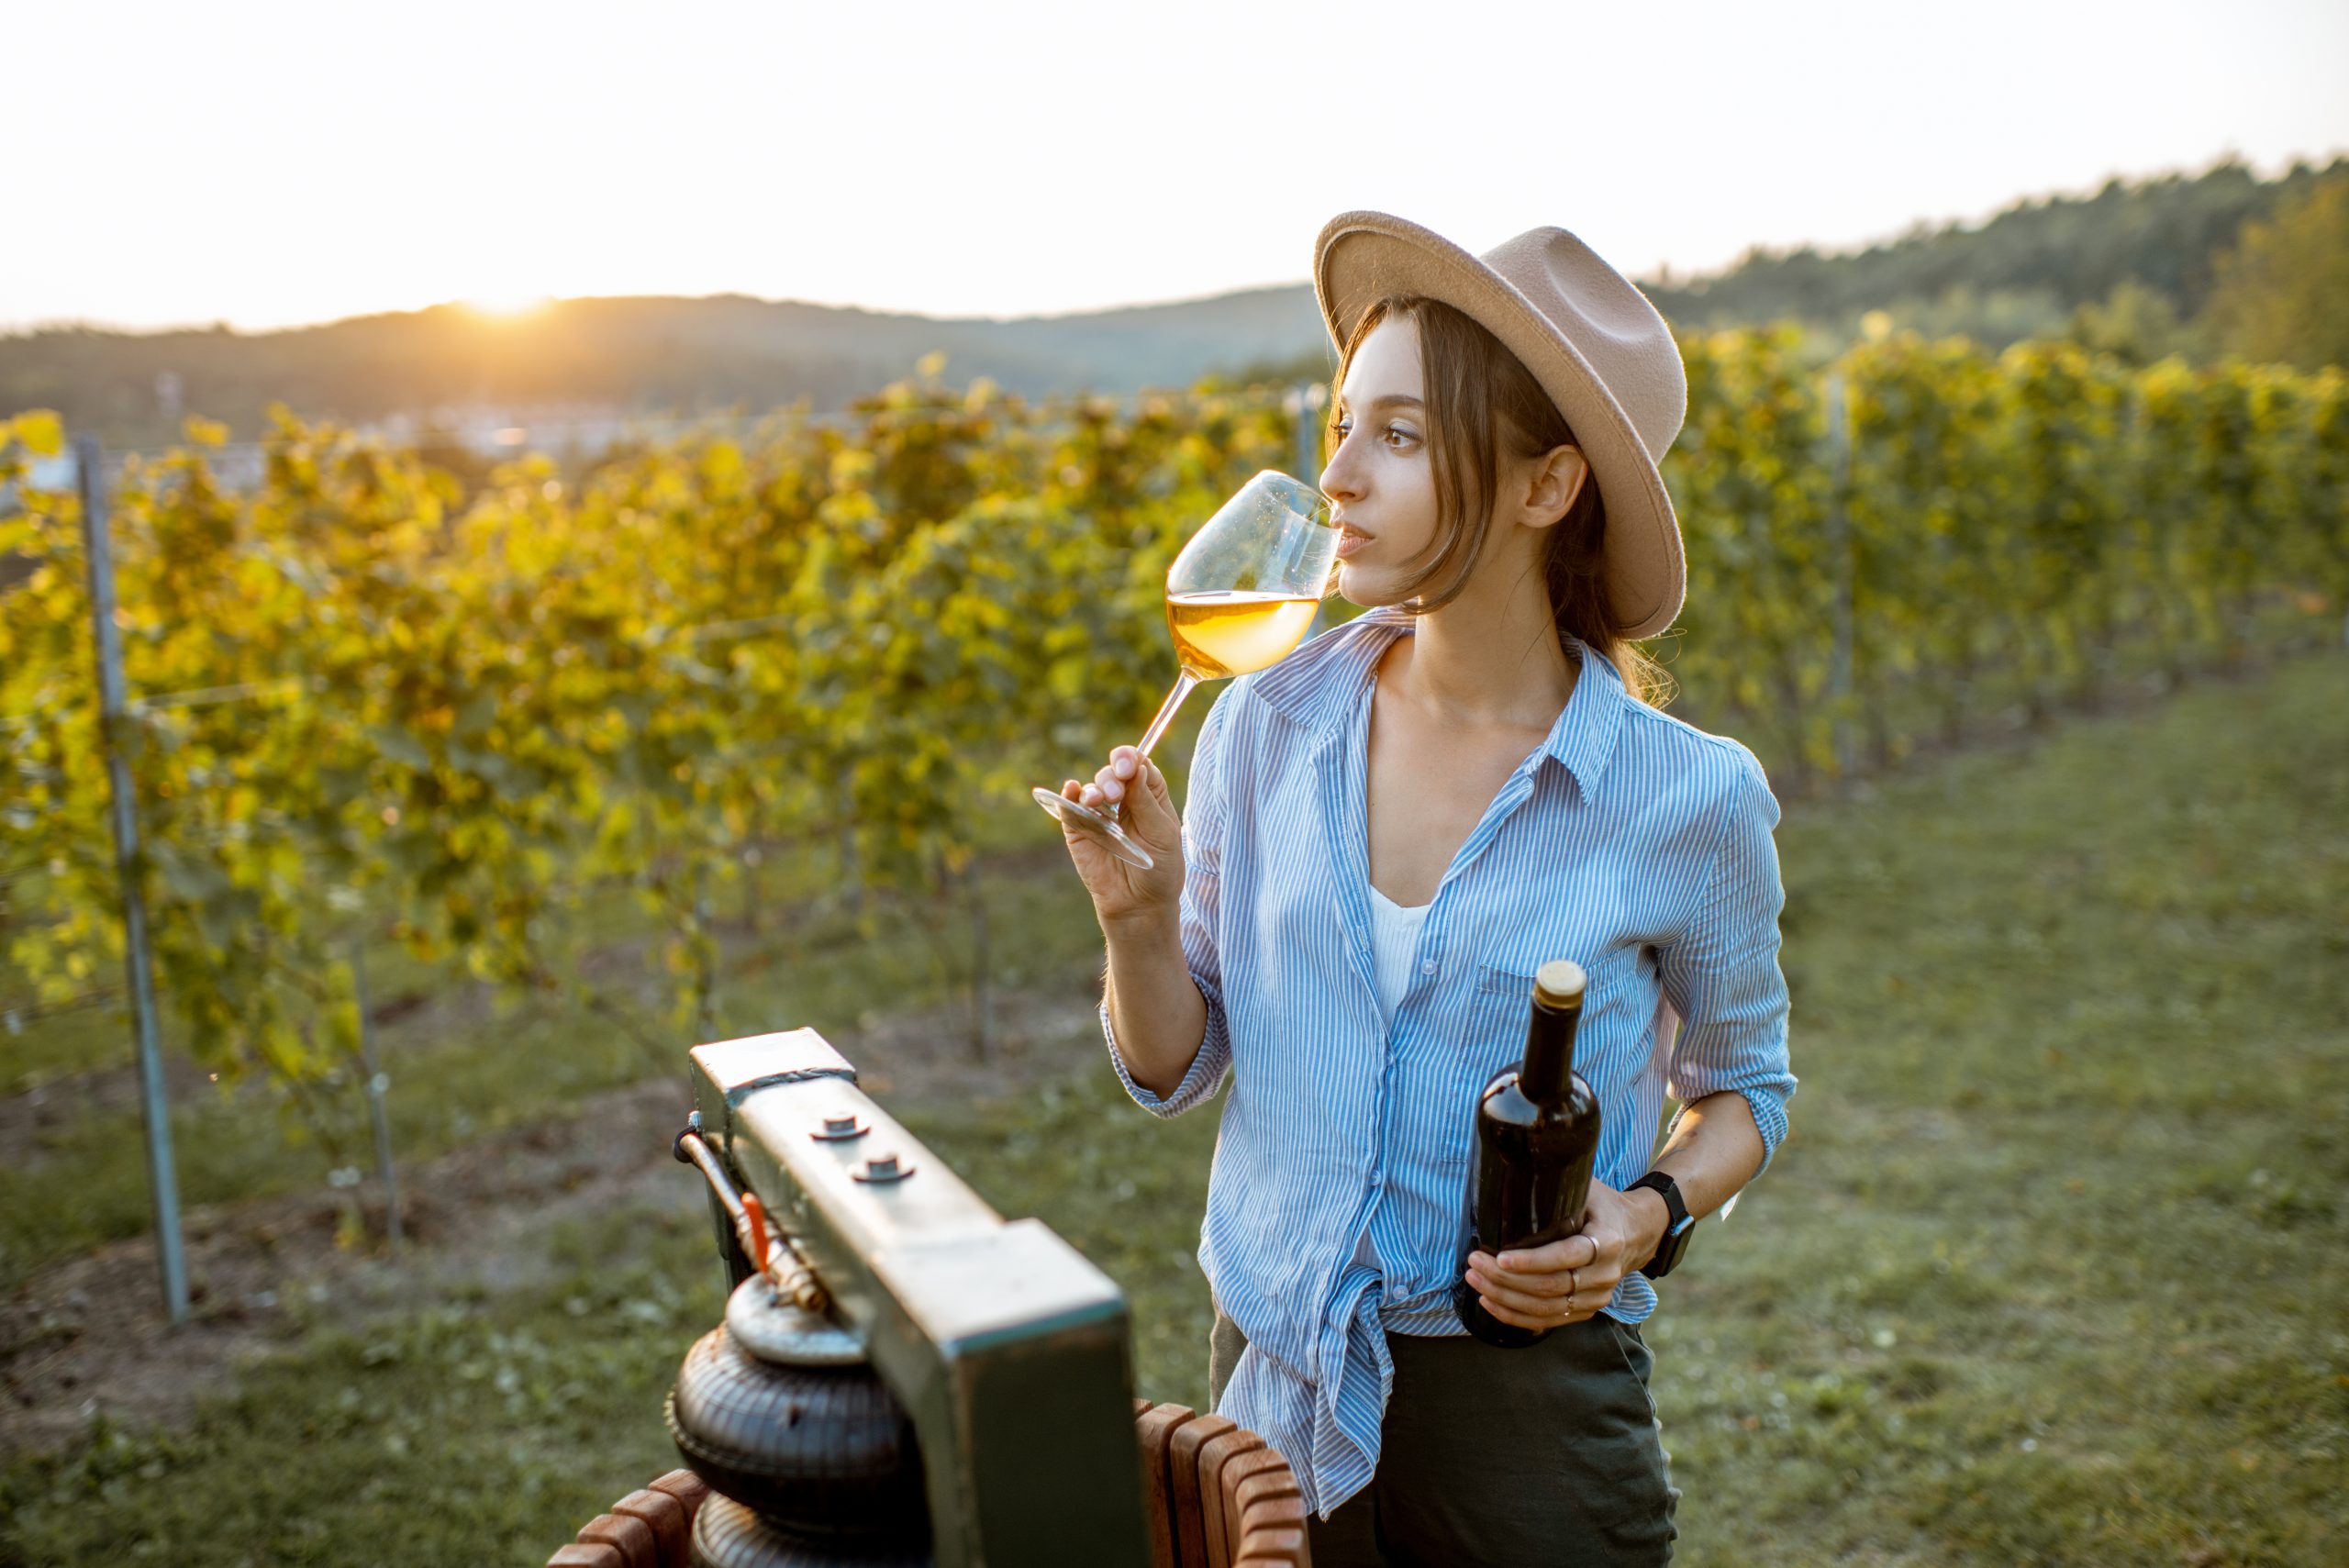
x: 1350, y: 540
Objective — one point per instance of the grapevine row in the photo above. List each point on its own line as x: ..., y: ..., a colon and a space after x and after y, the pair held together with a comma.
x: 464, y: 716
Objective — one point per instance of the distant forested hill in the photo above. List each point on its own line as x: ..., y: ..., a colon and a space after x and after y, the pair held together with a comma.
x: 2032, y: 264
x: 2139, y: 254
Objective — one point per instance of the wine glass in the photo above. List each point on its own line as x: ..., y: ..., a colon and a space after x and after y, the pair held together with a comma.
x: 1239, y: 597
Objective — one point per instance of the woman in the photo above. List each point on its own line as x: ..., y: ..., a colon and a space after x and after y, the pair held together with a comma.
x: 1385, y: 834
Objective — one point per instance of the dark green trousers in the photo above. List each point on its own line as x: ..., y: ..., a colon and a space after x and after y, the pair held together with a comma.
x: 1504, y: 1458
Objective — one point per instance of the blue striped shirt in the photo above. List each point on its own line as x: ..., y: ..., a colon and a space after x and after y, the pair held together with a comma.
x: 1629, y: 841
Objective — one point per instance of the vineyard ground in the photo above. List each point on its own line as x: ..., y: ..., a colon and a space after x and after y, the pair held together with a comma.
x: 466, y: 1063
x: 2048, y: 1272
x: 86, y: 1337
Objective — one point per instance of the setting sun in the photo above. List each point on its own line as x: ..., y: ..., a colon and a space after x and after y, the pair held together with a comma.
x: 507, y: 305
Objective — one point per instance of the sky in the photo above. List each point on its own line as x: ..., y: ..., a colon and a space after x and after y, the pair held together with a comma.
x: 267, y: 164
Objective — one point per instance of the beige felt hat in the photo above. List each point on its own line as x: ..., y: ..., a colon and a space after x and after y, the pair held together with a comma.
x: 1590, y: 338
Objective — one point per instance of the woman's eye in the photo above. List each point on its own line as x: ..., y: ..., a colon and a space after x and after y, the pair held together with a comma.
x: 1393, y: 434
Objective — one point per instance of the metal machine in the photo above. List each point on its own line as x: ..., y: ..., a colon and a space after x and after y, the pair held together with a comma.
x: 855, y: 1256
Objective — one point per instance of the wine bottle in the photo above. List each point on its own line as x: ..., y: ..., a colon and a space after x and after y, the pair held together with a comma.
x: 1529, y: 1164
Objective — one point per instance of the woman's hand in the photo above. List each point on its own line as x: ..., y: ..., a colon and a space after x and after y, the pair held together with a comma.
x: 1568, y: 1280
x: 1125, y: 895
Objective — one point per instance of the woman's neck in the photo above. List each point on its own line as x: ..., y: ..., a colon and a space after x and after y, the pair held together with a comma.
x: 1490, y: 658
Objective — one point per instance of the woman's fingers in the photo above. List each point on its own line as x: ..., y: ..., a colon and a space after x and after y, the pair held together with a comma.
x: 1577, y: 1252
x: 1533, y: 1287
x: 1109, y: 784
x: 1539, y: 1303
x: 1147, y: 795
x: 1545, y: 1306
x: 1547, y: 1286
x: 1134, y: 793
x: 1546, y: 1271
x: 1127, y: 780
x: 1554, y: 1316
x: 1508, y: 1314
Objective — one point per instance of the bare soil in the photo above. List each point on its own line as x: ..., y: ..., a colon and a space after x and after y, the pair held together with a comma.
x: 88, y: 1336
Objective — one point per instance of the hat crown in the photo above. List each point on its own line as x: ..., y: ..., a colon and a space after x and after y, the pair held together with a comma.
x: 1620, y: 335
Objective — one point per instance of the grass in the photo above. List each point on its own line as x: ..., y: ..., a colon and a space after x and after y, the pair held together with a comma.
x: 2049, y: 1271
x: 501, y: 1061
x: 478, y: 1431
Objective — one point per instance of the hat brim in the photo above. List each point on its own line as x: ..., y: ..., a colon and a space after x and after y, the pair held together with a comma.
x: 1362, y: 257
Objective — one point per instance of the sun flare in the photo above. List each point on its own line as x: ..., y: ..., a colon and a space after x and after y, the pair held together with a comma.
x: 508, y: 305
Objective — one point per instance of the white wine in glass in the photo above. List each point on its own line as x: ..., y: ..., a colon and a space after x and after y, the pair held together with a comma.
x: 1217, y: 634
x: 1239, y: 597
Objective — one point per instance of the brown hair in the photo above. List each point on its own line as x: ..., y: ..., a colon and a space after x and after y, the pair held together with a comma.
x: 1480, y: 394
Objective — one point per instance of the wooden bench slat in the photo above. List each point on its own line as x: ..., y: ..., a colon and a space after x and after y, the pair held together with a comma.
x: 1183, y: 1469
x: 1261, y: 1490
x: 1274, y: 1531
x: 1258, y: 1464
x: 632, y: 1538
x: 1284, y: 1548
x: 671, y: 1525
x: 586, y: 1555
x: 1156, y: 1428
x: 686, y: 1487
x: 1216, y: 1457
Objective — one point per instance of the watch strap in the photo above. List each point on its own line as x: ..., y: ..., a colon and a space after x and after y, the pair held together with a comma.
x: 1674, y: 1243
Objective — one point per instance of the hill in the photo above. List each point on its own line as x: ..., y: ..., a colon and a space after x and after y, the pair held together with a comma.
x: 2047, y: 257
x: 2030, y: 270
x: 636, y: 356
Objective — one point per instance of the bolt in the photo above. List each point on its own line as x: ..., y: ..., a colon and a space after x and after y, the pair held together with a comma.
x: 883, y: 1169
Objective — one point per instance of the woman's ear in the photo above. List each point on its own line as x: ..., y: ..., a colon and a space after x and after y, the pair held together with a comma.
x: 1556, y: 478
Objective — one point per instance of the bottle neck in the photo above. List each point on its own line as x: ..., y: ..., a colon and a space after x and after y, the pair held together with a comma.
x: 1549, y: 1065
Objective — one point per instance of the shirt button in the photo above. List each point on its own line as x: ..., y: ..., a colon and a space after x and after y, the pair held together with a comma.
x: 1427, y: 967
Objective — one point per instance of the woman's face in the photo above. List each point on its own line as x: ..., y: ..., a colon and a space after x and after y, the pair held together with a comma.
x: 1379, y: 481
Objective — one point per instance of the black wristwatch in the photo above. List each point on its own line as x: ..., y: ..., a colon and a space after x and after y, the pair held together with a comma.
x: 1675, y: 1245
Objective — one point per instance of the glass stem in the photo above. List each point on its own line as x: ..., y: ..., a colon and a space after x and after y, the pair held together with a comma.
x: 1182, y: 688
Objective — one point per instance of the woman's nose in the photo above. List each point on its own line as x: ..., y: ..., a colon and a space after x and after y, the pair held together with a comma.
x: 1339, y: 480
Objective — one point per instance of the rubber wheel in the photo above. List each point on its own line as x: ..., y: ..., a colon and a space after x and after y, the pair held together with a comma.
x: 820, y: 1451
x: 728, y: 1535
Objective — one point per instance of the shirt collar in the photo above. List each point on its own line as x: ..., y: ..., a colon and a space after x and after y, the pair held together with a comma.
x: 1318, y: 691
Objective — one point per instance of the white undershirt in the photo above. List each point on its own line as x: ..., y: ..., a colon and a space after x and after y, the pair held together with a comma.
x: 1394, y: 938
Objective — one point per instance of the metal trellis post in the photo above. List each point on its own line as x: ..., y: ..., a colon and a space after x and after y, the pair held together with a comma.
x: 1839, y: 544
x: 378, y: 1087
x: 113, y: 737
x: 1309, y: 399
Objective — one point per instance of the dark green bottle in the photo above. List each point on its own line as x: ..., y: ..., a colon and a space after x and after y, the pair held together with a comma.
x: 1529, y: 1164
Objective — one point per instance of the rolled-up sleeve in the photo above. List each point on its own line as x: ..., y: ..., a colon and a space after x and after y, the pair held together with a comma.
x: 1721, y: 975
x: 1204, y: 821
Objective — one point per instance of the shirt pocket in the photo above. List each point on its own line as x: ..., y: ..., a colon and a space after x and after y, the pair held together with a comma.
x: 1616, y: 1000
x: 1499, y: 1009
